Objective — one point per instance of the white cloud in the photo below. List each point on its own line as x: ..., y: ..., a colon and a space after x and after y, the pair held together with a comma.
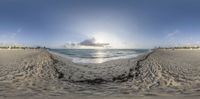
x: 171, y: 34
x: 87, y: 43
x: 171, y: 38
x: 92, y: 42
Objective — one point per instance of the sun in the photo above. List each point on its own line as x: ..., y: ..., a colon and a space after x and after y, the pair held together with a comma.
x: 112, y: 39
x: 101, y: 38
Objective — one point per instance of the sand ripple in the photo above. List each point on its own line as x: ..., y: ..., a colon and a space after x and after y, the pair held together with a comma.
x: 159, y: 73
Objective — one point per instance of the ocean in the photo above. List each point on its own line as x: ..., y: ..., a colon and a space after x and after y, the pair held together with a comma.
x: 98, y: 55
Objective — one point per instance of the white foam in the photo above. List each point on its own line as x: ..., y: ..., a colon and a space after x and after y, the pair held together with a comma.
x: 97, y: 60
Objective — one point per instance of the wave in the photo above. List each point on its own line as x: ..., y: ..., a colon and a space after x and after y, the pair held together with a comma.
x: 97, y: 56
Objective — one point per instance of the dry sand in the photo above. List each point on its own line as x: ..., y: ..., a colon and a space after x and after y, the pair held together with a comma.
x: 39, y: 74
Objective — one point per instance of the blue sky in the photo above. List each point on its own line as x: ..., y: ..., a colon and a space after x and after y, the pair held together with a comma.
x: 122, y: 23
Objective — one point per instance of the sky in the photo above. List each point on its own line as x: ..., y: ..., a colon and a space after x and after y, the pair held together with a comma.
x: 121, y: 23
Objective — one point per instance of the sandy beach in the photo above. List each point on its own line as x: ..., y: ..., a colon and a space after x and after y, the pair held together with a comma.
x: 39, y: 74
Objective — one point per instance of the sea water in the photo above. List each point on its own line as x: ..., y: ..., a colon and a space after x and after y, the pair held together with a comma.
x: 98, y: 55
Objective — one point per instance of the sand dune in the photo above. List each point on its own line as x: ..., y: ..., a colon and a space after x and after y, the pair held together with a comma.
x: 159, y: 73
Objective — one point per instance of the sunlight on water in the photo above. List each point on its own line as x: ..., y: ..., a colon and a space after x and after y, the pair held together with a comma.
x: 98, y: 55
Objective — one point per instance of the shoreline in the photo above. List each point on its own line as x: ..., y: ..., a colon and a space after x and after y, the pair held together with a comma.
x: 103, y: 60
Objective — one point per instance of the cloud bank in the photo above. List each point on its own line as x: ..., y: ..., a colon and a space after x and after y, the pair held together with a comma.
x: 91, y: 42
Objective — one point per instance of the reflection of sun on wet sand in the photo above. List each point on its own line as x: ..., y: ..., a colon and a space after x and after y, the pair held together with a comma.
x: 36, y: 73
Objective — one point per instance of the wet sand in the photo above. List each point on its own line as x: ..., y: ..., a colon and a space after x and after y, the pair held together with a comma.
x: 39, y: 74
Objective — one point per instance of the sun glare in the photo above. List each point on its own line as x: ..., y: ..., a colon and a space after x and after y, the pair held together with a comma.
x: 100, y: 38
x: 111, y: 38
